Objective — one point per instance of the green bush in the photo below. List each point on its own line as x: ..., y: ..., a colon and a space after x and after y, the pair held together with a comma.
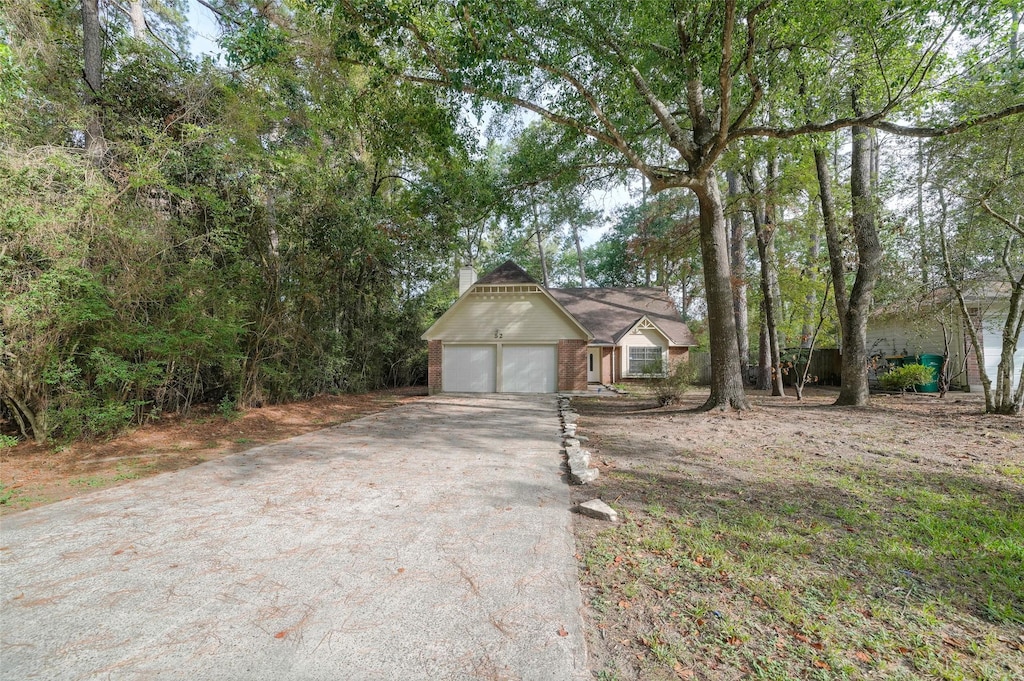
x: 904, y: 377
x: 670, y: 389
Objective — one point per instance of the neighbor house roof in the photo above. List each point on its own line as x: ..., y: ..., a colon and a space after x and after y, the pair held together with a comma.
x: 975, y: 293
x: 609, y: 313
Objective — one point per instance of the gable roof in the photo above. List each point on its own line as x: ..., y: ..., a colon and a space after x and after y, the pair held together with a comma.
x: 507, y: 273
x: 603, y: 314
x: 609, y: 313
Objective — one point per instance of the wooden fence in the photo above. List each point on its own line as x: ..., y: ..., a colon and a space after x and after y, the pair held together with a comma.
x: 825, y: 365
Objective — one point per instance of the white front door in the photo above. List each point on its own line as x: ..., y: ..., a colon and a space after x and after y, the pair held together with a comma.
x: 593, y: 365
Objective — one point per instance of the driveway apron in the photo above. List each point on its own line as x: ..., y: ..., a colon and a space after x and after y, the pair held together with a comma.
x: 431, y: 541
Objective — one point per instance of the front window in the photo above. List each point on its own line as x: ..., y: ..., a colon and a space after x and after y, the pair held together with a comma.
x: 645, y: 361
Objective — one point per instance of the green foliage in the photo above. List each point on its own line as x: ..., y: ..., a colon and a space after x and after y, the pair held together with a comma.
x: 12, y: 81
x: 228, y: 409
x: 668, y: 389
x: 906, y: 377
x: 252, y: 237
x: 257, y: 43
x: 7, y: 441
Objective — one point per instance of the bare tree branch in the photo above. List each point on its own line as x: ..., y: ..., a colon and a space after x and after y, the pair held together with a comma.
x: 1013, y: 225
x: 875, y: 120
x: 219, y: 12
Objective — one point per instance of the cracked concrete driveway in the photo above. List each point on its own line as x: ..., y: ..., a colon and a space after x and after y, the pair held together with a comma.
x: 431, y: 541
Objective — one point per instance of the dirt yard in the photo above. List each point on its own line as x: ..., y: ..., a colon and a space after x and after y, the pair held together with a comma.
x: 32, y: 475
x: 804, y: 541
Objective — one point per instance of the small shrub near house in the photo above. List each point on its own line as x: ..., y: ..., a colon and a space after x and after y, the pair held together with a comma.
x: 906, y: 377
x: 668, y: 389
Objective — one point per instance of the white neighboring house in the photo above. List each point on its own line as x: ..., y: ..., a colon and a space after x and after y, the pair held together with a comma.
x: 508, y: 333
x: 918, y: 330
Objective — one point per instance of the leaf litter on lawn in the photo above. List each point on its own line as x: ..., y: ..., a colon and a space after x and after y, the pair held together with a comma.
x: 801, y: 540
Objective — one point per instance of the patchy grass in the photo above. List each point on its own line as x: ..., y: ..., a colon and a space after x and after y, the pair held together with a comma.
x: 778, y: 561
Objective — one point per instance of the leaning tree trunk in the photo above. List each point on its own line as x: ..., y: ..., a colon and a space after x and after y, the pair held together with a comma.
x: 738, y: 263
x: 726, y: 381
x: 854, y: 391
x: 966, y: 318
x: 92, y: 45
x: 833, y: 239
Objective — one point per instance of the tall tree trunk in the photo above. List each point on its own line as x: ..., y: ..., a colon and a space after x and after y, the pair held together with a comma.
x: 922, y: 242
x: 973, y: 332
x: 874, y: 160
x: 764, y: 354
x: 1014, y: 33
x: 579, y: 256
x: 738, y: 263
x: 92, y: 46
x: 833, y: 239
x: 138, y: 18
x: 1008, y: 401
x: 764, y: 231
x: 726, y: 381
x: 854, y: 391
x: 813, y: 253
x: 540, y: 244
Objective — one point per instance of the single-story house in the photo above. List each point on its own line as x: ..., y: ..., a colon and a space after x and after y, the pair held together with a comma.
x: 508, y: 333
x: 917, y: 327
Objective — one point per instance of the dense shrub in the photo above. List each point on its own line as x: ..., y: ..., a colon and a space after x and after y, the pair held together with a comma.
x: 906, y: 377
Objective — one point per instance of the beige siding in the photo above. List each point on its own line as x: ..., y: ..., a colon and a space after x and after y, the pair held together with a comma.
x: 648, y: 338
x: 508, y: 317
x: 919, y: 336
x: 895, y: 337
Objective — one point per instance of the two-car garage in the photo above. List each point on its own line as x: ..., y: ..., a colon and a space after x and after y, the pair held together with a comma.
x: 500, y: 367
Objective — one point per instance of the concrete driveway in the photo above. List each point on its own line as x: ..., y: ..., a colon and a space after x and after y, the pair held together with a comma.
x: 431, y: 541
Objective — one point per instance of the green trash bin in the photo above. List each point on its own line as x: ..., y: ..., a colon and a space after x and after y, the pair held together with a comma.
x: 934, y: 362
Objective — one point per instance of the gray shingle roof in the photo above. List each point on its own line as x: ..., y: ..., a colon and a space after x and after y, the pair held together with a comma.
x: 611, y: 312
x: 507, y: 273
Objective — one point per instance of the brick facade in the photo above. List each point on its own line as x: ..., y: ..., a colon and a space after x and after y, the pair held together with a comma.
x: 434, y: 355
x: 677, y: 354
x: 572, y: 365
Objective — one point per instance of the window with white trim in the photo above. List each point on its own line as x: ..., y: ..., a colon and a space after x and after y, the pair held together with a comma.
x: 645, y: 360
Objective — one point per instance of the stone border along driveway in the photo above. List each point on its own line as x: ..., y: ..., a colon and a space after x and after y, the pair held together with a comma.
x: 431, y: 541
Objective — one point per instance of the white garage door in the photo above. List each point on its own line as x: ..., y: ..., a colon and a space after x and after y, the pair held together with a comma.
x: 468, y: 368
x: 529, y: 368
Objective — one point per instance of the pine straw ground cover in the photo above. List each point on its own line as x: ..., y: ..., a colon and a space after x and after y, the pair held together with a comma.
x: 803, y: 541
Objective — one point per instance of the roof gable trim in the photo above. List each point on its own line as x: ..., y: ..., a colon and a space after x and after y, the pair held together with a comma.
x: 643, y: 324
x: 484, y: 288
